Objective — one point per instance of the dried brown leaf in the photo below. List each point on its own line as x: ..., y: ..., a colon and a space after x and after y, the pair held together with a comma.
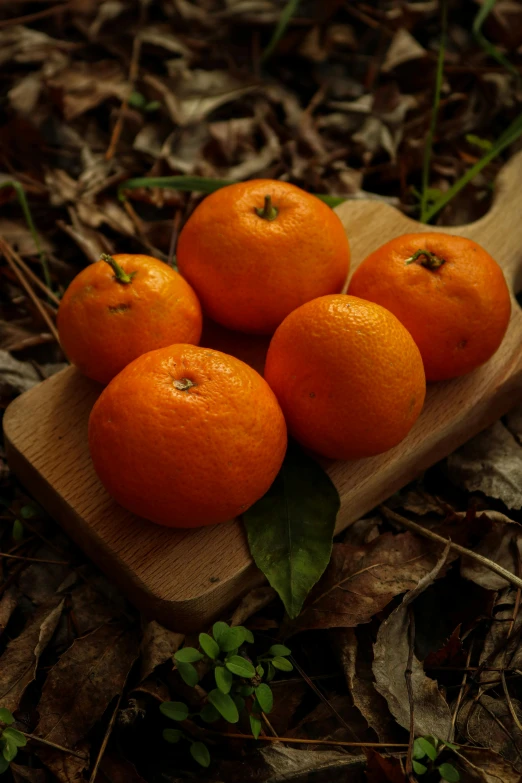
x: 157, y: 646
x: 391, y: 652
x: 357, y: 667
x: 8, y: 603
x: 502, y: 647
x: 382, y: 769
x: 362, y: 580
x: 285, y: 762
x: 490, y: 463
x: 488, y: 767
x: 84, y: 85
x: 27, y: 774
x: 403, y: 49
x: 17, y: 377
x: 252, y: 602
x: 80, y: 686
x: 19, y: 662
x: 65, y: 768
x: 114, y: 769
x: 500, y: 544
x: 488, y: 723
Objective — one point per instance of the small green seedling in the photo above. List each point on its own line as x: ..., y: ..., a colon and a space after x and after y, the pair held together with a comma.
x: 426, y: 751
x: 241, y: 684
x: 10, y: 739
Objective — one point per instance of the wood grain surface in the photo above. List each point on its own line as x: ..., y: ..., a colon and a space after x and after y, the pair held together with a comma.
x: 186, y: 578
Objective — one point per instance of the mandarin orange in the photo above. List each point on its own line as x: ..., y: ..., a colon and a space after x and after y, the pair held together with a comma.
x: 122, y: 306
x: 348, y: 377
x: 254, y: 251
x: 187, y: 436
x: 448, y: 292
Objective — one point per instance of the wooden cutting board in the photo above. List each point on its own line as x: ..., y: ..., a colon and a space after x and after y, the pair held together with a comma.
x: 185, y: 579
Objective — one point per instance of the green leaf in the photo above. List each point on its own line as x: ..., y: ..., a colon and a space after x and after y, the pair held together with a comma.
x: 10, y: 749
x: 152, y: 106
x: 224, y: 704
x: 418, y: 768
x: 6, y: 716
x: 238, y: 665
x: 18, y: 530
x: 259, y: 670
x: 209, y: 714
x: 231, y: 639
x: 208, y: 645
x: 199, y: 185
x: 255, y: 725
x: 418, y: 750
x: 427, y: 747
x: 245, y: 691
x: 223, y: 679
x: 199, y: 752
x: 283, y: 664
x: 175, y: 710
x: 218, y: 629
x: 428, y: 146
x: 280, y: 650
x: 290, y: 529
x: 188, y: 674
x: 137, y: 100
x: 4, y: 765
x: 449, y: 773
x: 15, y: 736
x: 265, y: 697
x: 22, y: 200
x: 482, y: 14
x: 449, y: 745
x: 508, y: 137
x: 28, y: 512
x: 286, y: 14
x: 477, y: 141
x: 247, y: 634
x: 172, y: 735
x: 188, y: 655
x: 271, y: 672
x: 239, y: 702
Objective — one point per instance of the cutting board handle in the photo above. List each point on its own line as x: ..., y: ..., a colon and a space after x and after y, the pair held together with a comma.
x: 500, y: 231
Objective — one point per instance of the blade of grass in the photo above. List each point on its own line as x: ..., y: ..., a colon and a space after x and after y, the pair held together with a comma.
x: 482, y: 14
x: 510, y: 135
x: 434, y: 114
x: 286, y: 14
x: 199, y: 185
x: 22, y: 200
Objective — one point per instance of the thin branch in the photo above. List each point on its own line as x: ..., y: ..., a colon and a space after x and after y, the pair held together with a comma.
x: 34, y: 278
x: 133, y: 74
x: 310, y: 741
x: 33, y: 559
x: 61, y: 748
x: 323, y: 698
x: 6, y: 249
x: 106, y: 737
x: 56, y: 9
x: 422, y: 531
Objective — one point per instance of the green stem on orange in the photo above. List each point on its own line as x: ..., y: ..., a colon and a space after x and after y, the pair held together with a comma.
x: 431, y: 261
x: 183, y: 384
x: 268, y: 211
x: 119, y: 273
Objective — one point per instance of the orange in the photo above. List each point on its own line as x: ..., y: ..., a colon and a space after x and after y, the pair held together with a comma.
x: 186, y: 436
x: 447, y: 291
x: 257, y: 250
x: 347, y: 375
x: 121, y: 307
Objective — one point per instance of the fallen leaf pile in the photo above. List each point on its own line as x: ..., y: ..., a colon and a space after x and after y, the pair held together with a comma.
x: 399, y: 631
